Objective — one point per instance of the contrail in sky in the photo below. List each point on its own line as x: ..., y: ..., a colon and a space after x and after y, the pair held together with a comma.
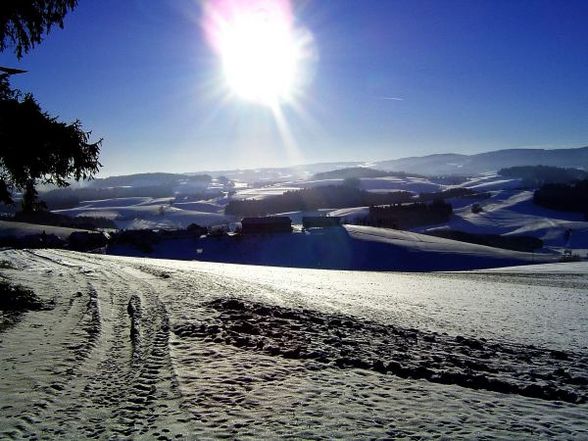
x: 393, y: 98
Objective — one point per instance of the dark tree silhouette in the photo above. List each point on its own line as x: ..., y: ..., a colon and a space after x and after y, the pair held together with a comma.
x: 565, y: 197
x: 327, y: 196
x: 23, y: 23
x: 38, y: 148
x: 537, y: 175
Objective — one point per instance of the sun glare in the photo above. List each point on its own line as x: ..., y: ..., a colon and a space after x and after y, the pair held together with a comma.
x: 261, y: 51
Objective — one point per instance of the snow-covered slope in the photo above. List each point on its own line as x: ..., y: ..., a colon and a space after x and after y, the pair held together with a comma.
x: 386, y: 184
x: 127, y: 348
x: 512, y: 212
x: 263, y: 192
x: 142, y: 213
x: 448, y: 164
x: 381, y: 185
x: 21, y: 229
x: 348, y: 247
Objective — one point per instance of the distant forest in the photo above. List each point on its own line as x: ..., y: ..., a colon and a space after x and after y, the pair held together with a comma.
x: 328, y: 196
x: 536, y: 175
x: 409, y: 215
x: 332, y: 196
x: 359, y: 172
x: 566, y: 197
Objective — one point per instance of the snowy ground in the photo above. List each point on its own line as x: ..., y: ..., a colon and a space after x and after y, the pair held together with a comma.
x: 153, y: 349
x: 348, y: 247
x: 151, y: 213
x: 512, y: 212
x: 21, y: 229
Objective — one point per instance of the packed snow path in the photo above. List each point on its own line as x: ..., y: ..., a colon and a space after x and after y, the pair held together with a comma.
x: 135, y: 348
x: 97, y: 364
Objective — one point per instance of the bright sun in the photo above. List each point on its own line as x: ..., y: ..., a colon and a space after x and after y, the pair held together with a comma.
x: 259, y: 48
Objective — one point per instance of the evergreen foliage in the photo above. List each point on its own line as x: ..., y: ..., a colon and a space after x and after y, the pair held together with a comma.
x: 23, y: 23
x: 328, y: 196
x: 37, y: 147
x: 566, y: 197
x: 536, y: 175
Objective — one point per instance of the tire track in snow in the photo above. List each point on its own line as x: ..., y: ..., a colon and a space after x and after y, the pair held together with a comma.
x: 113, y: 377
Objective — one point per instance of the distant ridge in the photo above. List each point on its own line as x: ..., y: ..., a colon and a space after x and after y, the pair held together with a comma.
x: 460, y: 164
x: 437, y: 164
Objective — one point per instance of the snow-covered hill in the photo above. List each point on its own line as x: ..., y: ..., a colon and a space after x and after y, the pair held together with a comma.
x: 447, y: 164
x: 22, y: 229
x: 348, y: 247
x: 512, y: 212
x: 150, y: 213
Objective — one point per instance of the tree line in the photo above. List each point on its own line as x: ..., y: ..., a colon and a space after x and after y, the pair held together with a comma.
x: 328, y: 196
x: 536, y: 175
x: 409, y: 216
x: 333, y: 196
x: 360, y: 172
x: 565, y: 197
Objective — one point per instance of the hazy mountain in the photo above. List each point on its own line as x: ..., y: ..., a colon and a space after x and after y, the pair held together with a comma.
x: 445, y: 164
x: 439, y: 164
x: 260, y: 175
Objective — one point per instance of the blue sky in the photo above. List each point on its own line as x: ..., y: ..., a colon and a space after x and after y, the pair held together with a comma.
x: 469, y: 76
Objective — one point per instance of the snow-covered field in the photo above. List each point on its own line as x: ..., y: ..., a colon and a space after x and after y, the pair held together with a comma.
x: 151, y: 213
x: 512, y: 212
x: 348, y: 247
x: 132, y: 348
x: 21, y: 229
